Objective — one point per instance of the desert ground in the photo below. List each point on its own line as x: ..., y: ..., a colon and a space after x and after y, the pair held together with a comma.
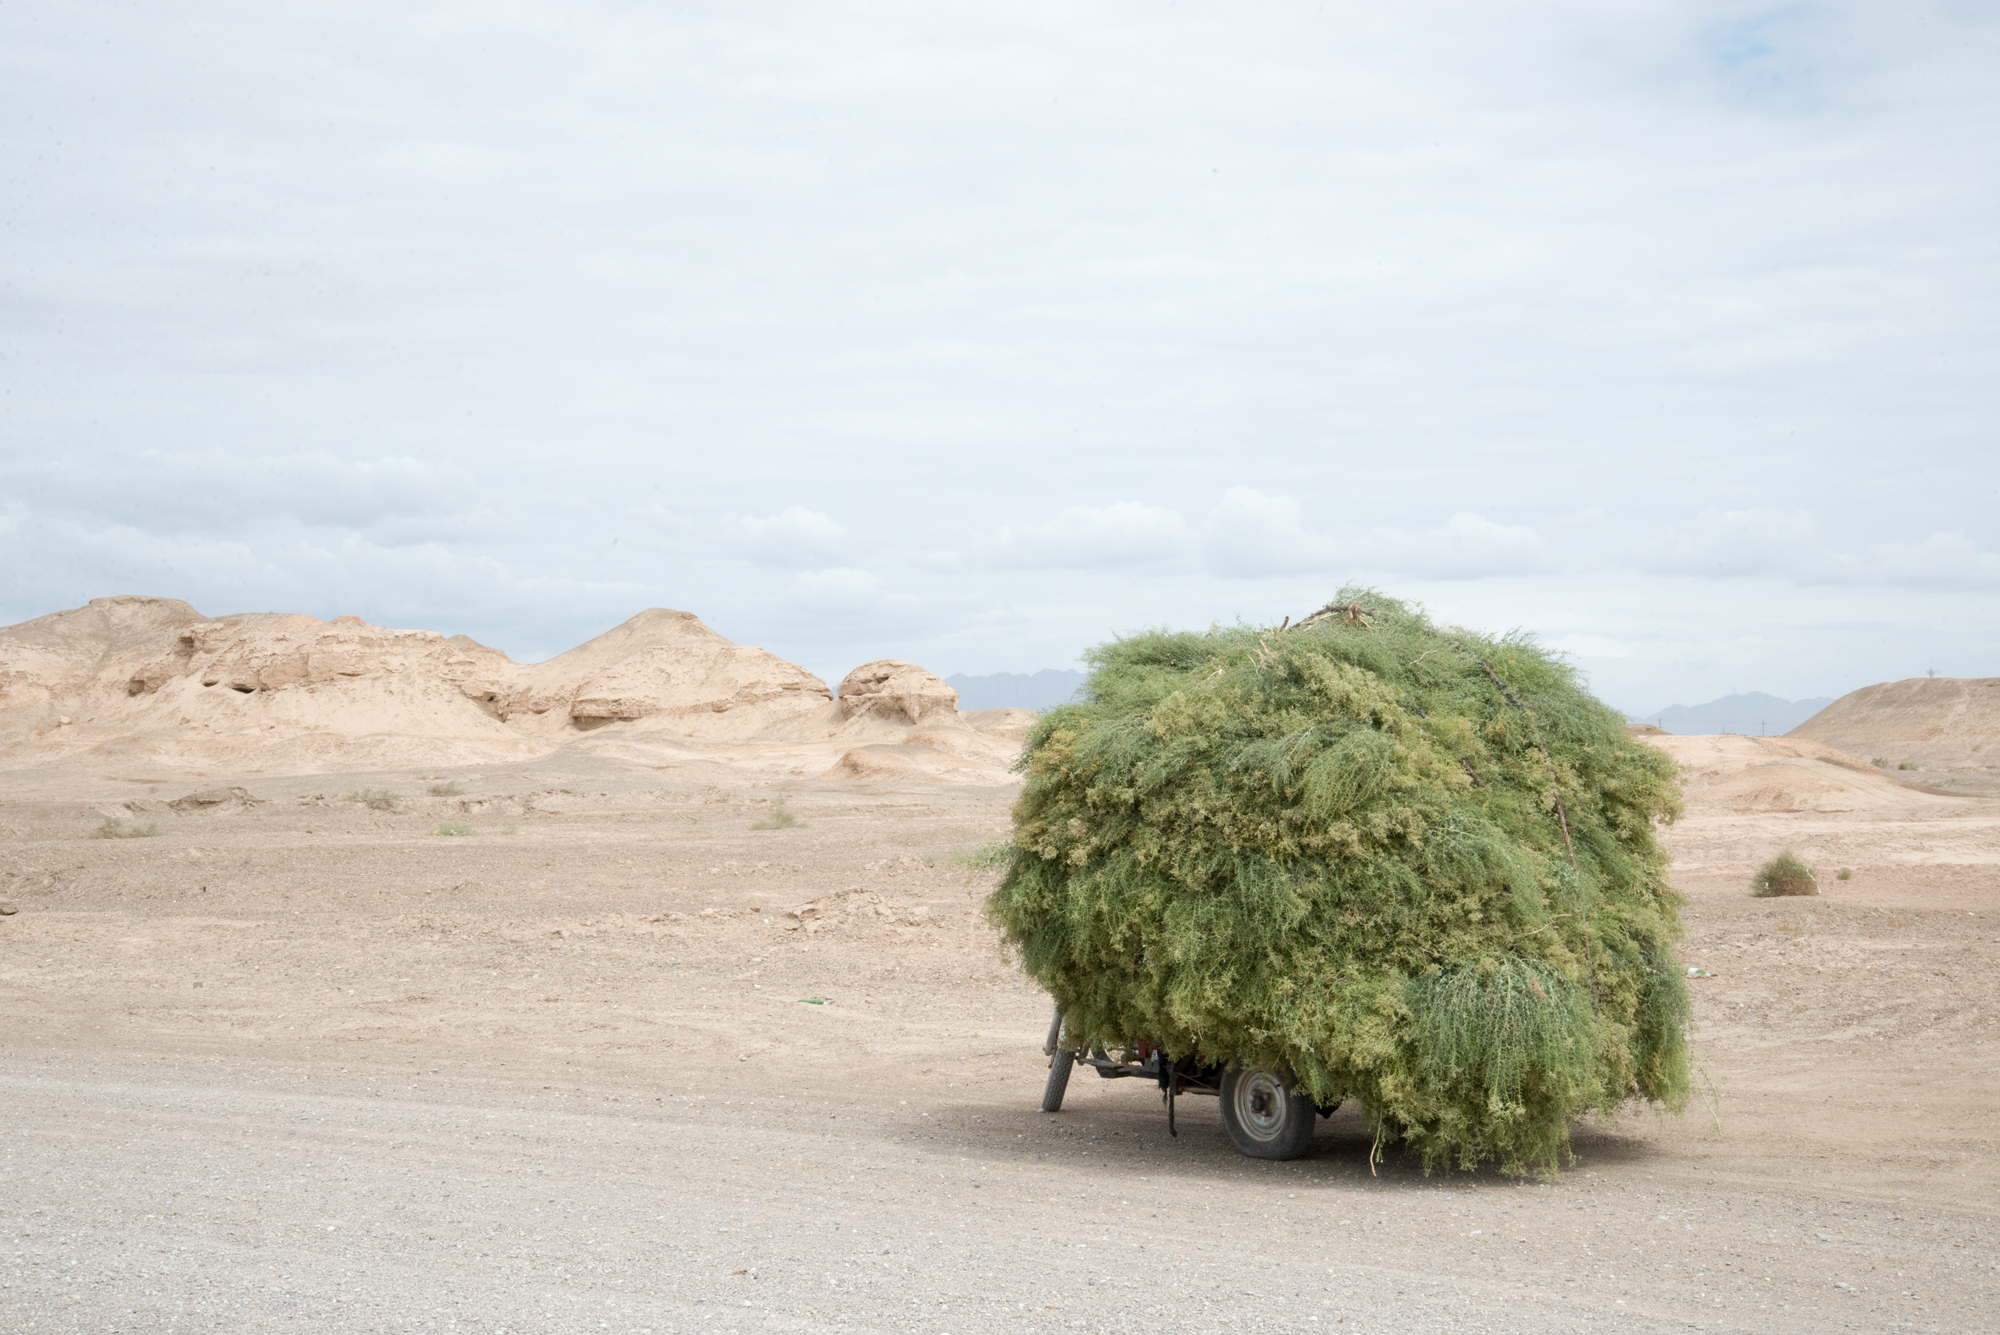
x: 568, y: 1043
x: 305, y: 1064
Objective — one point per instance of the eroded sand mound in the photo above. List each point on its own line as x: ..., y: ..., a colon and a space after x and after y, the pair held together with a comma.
x: 1928, y: 724
x: 151, y: 679
x: 669, y: 672
x: 1777, y: 775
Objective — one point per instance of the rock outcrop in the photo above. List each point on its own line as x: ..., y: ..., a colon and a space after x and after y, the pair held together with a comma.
x: 210, y: 800
x: 897, y: 691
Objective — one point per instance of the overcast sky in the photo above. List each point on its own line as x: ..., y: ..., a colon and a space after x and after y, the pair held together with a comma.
x: 976, y: 334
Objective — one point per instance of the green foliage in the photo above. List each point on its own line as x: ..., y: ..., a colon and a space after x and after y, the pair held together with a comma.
x: 118, y: 829
x: 1339, y: 849
x: 1784, y: 875
x: 376, y: 799
x: 781, y: 817
x: 445, y: 789
x: 1844, y: 874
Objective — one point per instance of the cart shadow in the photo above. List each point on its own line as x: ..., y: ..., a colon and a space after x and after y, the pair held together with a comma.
x: 1111, y: 1130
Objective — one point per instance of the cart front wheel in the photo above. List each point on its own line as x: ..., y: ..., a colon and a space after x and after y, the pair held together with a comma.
x: 1266, y: 1117
x: 1052, y: 1093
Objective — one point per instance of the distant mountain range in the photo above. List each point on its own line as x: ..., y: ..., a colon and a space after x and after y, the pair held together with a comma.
x: 1753, y: 714
x: 1020, y: 690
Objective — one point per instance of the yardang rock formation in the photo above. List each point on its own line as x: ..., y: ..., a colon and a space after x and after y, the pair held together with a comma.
x: 153, y: 678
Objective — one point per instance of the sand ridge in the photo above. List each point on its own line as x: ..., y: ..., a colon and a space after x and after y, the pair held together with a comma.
x: 1927, y: 724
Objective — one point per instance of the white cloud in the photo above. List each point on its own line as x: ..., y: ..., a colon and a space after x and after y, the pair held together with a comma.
x: 1466, y: 546
x: 1124, y: 534
x: 1591, y: 646
x: 1211, y: 308
x: 1250, y: 534
x: 1719, y: 544
x: 208, y: 490
x: 1795, y: 546
x: 1941, y: 561
x: 792, y: 537
x: 837, y: 592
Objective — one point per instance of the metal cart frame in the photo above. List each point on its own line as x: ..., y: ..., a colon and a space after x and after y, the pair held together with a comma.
x: 1264, y: 1111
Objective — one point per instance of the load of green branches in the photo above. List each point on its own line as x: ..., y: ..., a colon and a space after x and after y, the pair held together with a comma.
x: 1409, y: 864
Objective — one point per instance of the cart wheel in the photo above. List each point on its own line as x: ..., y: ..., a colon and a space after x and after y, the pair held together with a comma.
x: 1265, y: 1116
x: 1052, y: 1093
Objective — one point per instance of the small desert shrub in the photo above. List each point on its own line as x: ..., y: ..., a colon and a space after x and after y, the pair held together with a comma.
x: 375, y: 799
x: 1879, y: 762
x: 780, y: 818
x: 454, y: 830
x: 1844, y: 874
x: 1904, y: 765
x: 445, y: 789
x: 1784, y: 875
x: 118, y: 829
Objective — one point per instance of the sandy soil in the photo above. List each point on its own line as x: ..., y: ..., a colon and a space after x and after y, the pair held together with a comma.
x: 304, y: 1064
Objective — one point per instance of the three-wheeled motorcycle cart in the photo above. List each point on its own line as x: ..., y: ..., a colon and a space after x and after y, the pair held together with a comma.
x: 1266, y: 1114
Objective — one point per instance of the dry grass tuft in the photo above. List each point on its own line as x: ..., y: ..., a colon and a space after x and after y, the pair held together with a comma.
x: 780, y: 818
x: 118, y: 829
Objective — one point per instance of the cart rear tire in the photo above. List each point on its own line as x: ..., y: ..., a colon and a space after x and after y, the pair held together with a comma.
x: 1266, y: 1115
x: 1059, y: 1066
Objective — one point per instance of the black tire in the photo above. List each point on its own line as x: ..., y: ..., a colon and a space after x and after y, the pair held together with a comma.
x: 1265, y: 1115
x: 1052, y: 1093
